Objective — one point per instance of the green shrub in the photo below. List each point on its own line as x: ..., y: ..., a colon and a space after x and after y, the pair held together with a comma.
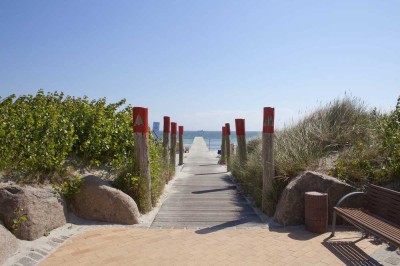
x: 69, y: 187
x: 44, y: 138
x: 36, y: 134
x: 375, y: 159
x: 391, y: 142
x: 19, y: 219
x: 128, y: 179
x: 158, y: 170
x: 42, y: 134
x: 104, y: 133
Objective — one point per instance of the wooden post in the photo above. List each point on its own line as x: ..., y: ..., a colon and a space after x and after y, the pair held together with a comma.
x: 180, y: 145
x: 166, y: 131
x: 241, y: 140
x: 173, y: 147
x: 268, y: 158
x: 223, y: 146
x: 142, y: 164
x: 228, y: 146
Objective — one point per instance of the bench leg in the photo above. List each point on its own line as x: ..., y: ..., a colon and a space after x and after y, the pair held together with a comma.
x: 333, y: 224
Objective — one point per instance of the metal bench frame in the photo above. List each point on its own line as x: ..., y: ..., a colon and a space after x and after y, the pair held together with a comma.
x: 366, y: 232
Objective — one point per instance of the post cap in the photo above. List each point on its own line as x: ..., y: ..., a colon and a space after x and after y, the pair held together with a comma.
x: 240, y: 127
x: 228, y: 129
x: 173, y: 128
x: 268, y: 120
x: 140, y: 119
x: 167, y: 124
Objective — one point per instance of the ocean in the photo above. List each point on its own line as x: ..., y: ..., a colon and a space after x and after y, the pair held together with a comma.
x: 213, y: 139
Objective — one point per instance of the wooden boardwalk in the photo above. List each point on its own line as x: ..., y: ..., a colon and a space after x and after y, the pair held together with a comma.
x: 204, y: 196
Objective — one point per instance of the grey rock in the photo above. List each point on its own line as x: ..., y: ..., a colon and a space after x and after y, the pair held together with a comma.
x: 8, y: 244
x: 290, y: 208
x: 98, y: 200
x: 43, y: 209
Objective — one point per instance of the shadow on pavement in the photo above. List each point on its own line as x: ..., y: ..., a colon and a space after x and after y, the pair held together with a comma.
x: 214, y: 190
x: 218, y: 227
x: 296, y: 232
x: 217, y: 173
x: 349, y: 253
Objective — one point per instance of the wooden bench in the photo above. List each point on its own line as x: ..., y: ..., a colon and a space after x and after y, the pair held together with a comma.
x: 379, y: 215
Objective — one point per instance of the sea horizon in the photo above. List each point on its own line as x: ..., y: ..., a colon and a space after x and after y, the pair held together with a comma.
x: 213, y: 139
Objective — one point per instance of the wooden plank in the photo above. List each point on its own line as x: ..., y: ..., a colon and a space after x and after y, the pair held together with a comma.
x: 205, y: 197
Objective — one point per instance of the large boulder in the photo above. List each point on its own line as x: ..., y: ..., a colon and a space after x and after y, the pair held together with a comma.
x: 290, y: 208
x: 31, y: 212
x: 97, y: 200
x: 8, y: 244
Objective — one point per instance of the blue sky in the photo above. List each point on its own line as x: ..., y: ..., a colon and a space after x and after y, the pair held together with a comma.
x: 204, y: 63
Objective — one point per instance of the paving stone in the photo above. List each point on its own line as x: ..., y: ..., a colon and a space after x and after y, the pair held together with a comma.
x: 25, y: 261
x: 41, y: 252
x: 394, y: 260
x: 57, y: 240
x: 234, y: 247
x: 35, y: 256
x: 51, y: 243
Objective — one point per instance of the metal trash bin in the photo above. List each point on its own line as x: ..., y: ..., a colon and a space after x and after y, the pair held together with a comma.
x: 316, y: 212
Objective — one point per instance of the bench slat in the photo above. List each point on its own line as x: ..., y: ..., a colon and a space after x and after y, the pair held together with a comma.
x: 366, y: 218
x: 383, y: 202
x: 385, y: 230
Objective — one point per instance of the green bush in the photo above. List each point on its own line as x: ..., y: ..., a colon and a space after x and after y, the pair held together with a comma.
x: 44, y: 133
x: 128, y: 179
x: 375, y: 159
x: 158, y: 170
x: 391, y: 142
x: 36, y: 136
x: 44, y: 138
x: 103, y: 133
x: 69, y: 187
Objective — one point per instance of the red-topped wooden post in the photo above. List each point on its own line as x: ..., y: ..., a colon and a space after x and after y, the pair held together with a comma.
x: 173, y: 147
x: 241, y: 139
x: 268, y: 158
x: 228, y: 146
x: 166, y: 131
x: 223, y: 151
x: 142, y: 164
x: 180, y: 145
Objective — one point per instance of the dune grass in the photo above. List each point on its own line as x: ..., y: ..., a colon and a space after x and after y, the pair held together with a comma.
x: 344, y: 139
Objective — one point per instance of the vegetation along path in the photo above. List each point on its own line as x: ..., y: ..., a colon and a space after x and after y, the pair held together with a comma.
x: 205, y: 196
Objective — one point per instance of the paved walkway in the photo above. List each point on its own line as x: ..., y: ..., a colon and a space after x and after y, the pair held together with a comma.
x: 213, y: 225
x: 204, y: 196
x: 135, y: 246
